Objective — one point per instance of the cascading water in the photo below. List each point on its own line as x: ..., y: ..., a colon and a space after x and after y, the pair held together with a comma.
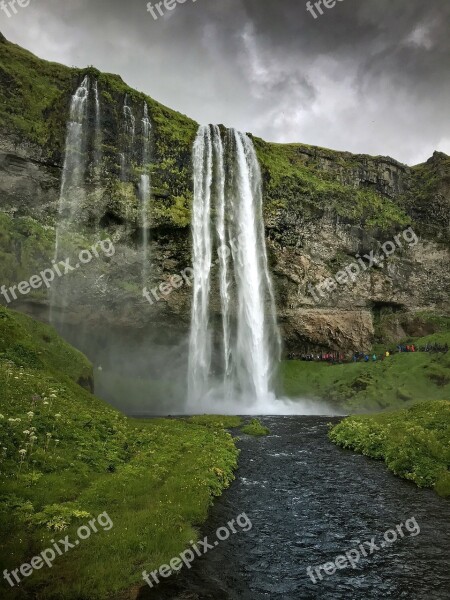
x: 72, y: 186
x: 98, y: 130
x: 227, y: 184
x: 223, y: 241
x: 145, y: 191
x: 200, y: 342
x: 73, y: 193
x: 129, y: 121
x: 254, y: 326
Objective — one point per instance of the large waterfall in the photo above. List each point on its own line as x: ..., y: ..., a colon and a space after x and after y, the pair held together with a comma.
x: 227, y: 190
x: 144, y: 190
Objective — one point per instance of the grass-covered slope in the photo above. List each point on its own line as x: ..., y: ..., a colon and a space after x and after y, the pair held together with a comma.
x: 67, y: 457
x: 414, y: 443
x: 295, y: 181
x: 397, y: 382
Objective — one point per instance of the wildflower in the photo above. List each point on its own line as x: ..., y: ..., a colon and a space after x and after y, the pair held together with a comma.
x: 2, y: 417
x: 45, y: 403
x: 49, y: 435
x: 26, y: 432
x: 30, y: 414
x: 57, y: 415
x: 22, y: 452
x: 53, y: 396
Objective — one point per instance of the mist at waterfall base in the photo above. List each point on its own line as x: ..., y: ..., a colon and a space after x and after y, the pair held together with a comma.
x: 226, y: 361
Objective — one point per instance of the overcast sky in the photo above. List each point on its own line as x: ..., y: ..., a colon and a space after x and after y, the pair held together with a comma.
x: 368, y: 76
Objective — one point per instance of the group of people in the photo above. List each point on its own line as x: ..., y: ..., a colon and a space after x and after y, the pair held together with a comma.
x: 363, y: 357
x: 335, y: 358
x: 330, y: 357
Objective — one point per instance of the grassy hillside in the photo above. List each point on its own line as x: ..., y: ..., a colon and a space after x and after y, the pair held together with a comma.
x: 414, y: 443
x: 398, y: 381
x: 295, y: 181
x: 67, y: 457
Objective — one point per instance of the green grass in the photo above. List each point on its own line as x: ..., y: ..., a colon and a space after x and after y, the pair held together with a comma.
x: 216, y: 421
x: 397, y: 382
x: 37, y: 347
x: 255, y: 428
x: 33, y: 94
x: 414, y: 443
x: 295, y: 182
x: 156, y: 479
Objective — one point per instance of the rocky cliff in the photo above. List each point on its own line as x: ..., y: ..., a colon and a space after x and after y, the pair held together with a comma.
x: 322, y: 209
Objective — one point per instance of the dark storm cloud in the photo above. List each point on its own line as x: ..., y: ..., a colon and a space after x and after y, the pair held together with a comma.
x: 367, y: 76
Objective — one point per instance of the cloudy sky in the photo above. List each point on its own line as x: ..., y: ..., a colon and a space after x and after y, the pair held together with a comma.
x: 367, y: 76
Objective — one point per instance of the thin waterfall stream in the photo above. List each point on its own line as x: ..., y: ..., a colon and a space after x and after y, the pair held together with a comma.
x: 73, y: 192
x: 145, y: 192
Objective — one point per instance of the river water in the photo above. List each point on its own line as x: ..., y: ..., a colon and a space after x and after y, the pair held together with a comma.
x: 309, y: 502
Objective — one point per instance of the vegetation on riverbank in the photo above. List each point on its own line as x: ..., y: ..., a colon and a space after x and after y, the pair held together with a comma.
x: 414, y: 443
x: 255, y: 428
x: 67, y: 457
x: 397, y: 382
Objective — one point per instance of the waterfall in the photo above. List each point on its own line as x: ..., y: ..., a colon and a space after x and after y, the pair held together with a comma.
x: 254, y: 364
x: 145, y: 191
x: 98, y: 141
x: 223, y: 241
x: 200, y: 342
x: 228, y: 189
x: 129, y: 121
x: 73, y: 194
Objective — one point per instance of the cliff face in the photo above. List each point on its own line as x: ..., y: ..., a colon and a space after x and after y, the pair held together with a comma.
x: 322, y: 208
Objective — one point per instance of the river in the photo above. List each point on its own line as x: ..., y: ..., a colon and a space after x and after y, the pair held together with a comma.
x: 309, y: 502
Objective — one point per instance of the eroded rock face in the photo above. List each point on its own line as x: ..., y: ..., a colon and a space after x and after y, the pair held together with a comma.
x: 383, y: 174
x: 27, y: 184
